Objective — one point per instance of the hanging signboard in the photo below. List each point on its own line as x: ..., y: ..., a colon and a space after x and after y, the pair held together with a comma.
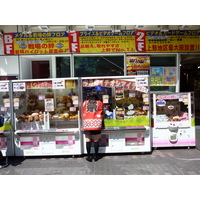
x: 36, y: 43
x: 173, y: 41
x: 140, y: 41
x: 74, y: 44
x: 130, y: 85
x: 101, y: 42
x: 107, y: 41
x: 38, y: 84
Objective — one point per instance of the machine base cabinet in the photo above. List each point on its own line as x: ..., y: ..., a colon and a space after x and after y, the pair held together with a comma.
x: 180, y: 137
x: 6, y: 145
x: 41, y: 145
x: 123, y: 142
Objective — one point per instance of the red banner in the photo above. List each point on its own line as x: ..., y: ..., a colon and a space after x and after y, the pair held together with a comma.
x: 140, y: 41
x: 8, y: 40
x: 74, y: 42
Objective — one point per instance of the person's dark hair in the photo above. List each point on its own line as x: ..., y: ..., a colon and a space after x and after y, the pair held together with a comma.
x: 93, y: 95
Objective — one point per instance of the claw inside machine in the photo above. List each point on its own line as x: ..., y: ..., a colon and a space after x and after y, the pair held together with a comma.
x: 174, y: 123
x: 46, y: 113
x: 127, y: 113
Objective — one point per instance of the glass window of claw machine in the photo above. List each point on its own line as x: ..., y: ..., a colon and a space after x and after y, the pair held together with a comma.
x: 47, y: 116
x: 5, y: 119
x: 127, y: 117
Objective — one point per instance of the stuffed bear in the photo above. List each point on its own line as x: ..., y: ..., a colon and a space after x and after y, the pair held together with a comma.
x: 32, y: 102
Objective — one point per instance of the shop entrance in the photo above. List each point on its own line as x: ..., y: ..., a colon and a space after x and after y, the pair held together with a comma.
x: 40, y: 69
x: 190, y: 79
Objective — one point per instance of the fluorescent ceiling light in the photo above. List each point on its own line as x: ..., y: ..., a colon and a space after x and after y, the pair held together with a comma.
x: 90, y: 27
x: 139, y: 26
x: 43, y: 28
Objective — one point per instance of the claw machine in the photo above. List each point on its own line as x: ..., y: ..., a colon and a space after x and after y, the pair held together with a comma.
x: 173, y: 120
x: 46, y: 113
x: 6, y: 136
x: 127, y: 113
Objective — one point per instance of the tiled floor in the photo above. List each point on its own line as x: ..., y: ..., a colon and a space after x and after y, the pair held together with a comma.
x: 162, y: 161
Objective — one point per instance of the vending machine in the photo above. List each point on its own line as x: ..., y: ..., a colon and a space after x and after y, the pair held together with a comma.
x: 127, y: 112
x: 46, y: 115
x: 173, y: 122
x: 6, y: 140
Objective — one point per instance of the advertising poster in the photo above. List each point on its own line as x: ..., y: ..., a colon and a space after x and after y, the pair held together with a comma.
x: 6, y: 103
x: 119, y: 92
x: 107, y: 41
x: 135, y: 63
x: 163, y: 76
x: 120, y: 112
x: 173, y: 41
x: 105, y: 98
x: 16, y: 102
x: 169, y: 76
x: 156, y: 76
x: 156, y: 81
x: 36, y: 43
x: 49, y: 105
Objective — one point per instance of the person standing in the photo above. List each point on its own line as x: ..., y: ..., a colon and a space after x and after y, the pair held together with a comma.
x: 92, y: 122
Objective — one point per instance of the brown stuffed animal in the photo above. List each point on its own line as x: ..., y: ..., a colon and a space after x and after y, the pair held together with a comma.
x: 32, y: 102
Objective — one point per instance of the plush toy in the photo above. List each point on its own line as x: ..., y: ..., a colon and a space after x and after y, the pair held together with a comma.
x: 32, y: 102
x: 60, y: 105
x: 35, y: 116
x: 69, y: 102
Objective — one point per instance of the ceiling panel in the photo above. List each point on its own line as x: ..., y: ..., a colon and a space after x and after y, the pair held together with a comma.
x: 35, y: 28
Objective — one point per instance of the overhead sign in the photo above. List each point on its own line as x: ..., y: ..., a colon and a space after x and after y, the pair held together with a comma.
x: 140, y: 41
x: 173, y: 41
x: 101, y: 42
x: 74, y: 44
x: 36, y: 43
x: 107, y: 41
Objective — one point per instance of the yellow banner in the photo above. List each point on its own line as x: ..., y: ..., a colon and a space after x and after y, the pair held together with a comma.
x: 107, y: 41
x: 41, y: 43
x: 172, y: 41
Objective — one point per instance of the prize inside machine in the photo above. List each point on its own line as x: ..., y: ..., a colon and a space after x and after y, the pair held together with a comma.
x: 126, y: 121
x: 47, y: 112
x: 5, y: 123
x: 174, y: 123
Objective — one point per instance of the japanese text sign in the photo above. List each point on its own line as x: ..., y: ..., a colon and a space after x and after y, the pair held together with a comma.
x: 107, y: 41
x: 36, y: 43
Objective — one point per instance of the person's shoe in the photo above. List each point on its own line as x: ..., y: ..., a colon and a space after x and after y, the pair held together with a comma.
x: 96, y: 158
x: 3, y: 166
x: 89, y: 158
